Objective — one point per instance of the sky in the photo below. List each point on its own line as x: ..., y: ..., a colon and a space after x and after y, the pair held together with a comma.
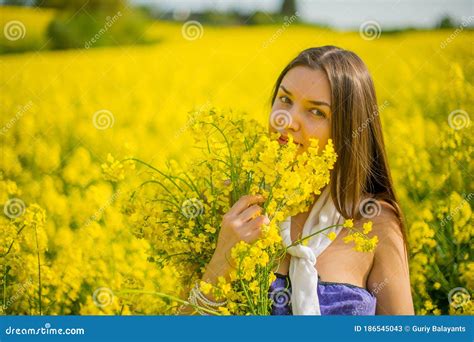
x: 341, y: 14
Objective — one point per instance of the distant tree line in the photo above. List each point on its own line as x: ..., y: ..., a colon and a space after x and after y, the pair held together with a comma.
x: 287, y: 9
x: 69, y: 4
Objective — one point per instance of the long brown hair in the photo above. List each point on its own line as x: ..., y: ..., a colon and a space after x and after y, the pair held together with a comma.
x: 361, y: 170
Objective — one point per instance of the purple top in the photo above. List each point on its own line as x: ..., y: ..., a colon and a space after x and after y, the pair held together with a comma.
x: 334, y: 298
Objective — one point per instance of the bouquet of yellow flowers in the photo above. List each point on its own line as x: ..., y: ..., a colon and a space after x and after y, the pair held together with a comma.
x: 179, y: 210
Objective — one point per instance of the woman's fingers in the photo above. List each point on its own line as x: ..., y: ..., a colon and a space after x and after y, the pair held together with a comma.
x: 250, y: 213
x: 255, y: 233
x: 243, y: 203
x: 256, y: 223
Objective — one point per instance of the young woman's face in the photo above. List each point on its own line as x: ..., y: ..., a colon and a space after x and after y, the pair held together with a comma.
x: 302, y: 107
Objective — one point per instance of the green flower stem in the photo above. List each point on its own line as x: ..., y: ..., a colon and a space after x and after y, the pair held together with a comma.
x: 170, y: 178
x: 244, y: 288
x: 39, y: 271
x: 154, y: 182
x: 307, y: 237
x: 231, y: 158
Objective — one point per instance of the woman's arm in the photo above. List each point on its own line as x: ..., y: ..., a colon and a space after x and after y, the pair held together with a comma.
x: 389, y: 278
x: 243, y: 222
x: 217, y: 267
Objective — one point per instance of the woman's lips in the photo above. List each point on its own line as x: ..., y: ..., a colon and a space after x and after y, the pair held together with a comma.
x: 284, y: 140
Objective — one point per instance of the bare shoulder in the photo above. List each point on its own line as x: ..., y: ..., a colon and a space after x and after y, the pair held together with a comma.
x: 389, y: 276
x: 386, y: 226
x: 386, y: 222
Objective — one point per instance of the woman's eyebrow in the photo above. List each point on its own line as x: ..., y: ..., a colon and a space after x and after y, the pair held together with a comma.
x: 317, y: 103
x: 286, y: 90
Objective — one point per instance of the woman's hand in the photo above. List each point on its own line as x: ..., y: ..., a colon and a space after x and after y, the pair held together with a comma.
x: 243, y: 222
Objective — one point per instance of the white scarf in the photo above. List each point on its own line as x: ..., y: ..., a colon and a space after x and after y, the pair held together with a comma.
x: 303, y: 275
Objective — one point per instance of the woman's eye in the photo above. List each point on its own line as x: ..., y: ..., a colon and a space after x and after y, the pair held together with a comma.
x: 318, y: 112
x: 285, y: 99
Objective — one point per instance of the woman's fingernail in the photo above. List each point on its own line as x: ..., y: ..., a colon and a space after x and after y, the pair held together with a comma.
x: 266, y: 220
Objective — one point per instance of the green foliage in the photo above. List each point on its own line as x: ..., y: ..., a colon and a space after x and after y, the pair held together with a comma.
x: 101, y: 28
x: 77, y: 4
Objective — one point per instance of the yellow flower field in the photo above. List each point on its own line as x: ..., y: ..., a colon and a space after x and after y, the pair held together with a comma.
x: 65, y: 247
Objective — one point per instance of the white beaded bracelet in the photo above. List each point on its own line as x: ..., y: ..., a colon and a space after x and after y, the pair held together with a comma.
x: 196, y: 296
x: 205, y: 300
x: 193, y: 300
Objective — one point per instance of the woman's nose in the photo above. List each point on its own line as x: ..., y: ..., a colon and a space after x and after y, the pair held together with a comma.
x: 295, y: 119
x: 282, y: 119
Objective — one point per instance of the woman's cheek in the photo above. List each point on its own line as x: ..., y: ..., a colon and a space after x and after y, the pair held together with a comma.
x: 320, y: 131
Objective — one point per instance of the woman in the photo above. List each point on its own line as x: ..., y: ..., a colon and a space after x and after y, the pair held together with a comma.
x: 324, y: 93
